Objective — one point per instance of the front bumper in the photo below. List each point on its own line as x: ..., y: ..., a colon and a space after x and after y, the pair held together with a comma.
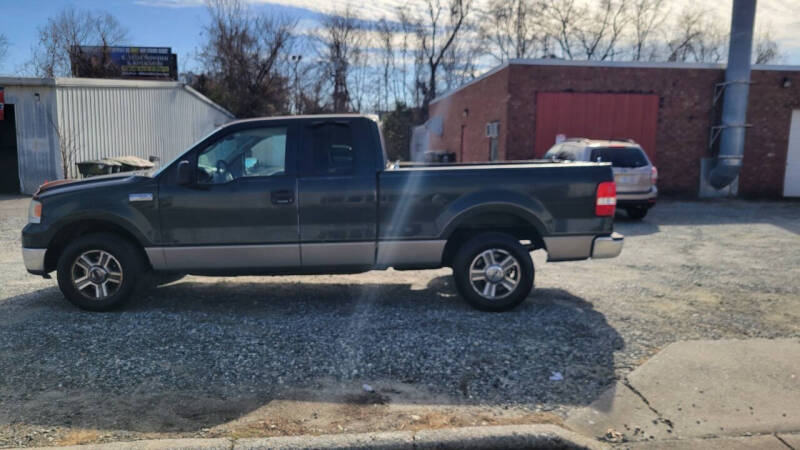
x: 34, y: 259
x: 607, y: 246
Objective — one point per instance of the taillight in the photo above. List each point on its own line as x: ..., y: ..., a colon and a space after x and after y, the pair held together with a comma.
x: 606, y: 201
x: 654, y: 176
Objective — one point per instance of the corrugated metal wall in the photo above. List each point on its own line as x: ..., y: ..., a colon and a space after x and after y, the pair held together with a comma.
x: 141, y: 121
x: 37, y: 143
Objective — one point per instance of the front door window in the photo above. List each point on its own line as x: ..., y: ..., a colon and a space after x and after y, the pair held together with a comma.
x: 259, y: 152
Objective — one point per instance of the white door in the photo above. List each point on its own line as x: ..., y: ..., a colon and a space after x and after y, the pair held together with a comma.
x: 791, y: 182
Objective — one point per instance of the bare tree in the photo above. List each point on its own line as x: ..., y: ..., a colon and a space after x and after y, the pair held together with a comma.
x: 765, y: 49
x: 696, y: 36
x: 245, y: 60
x: 68, y: 149
x: 62, y: 35
x: 3, y: 47
x: 600, y: 29
x: 437, y: 29
x: 564, y: 17
x: 386, y: 32
x: 405, y: 91
x: 647, y: 19
x: 513, y: 29
x: 312, y: 94
x: 460, y: 62
x: 68, y: 146
x: 364, y: 89
x: 341, y: 36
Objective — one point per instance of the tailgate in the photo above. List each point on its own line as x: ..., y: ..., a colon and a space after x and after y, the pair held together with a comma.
x: 632, y: 179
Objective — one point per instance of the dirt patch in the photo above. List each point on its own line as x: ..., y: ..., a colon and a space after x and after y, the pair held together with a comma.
x: 79, y: 437
x: 328, y: 408
x: 338, y: 408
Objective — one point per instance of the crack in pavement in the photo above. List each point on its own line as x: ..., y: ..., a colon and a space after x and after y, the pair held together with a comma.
x: 783, y: 441
x: 647, y: 402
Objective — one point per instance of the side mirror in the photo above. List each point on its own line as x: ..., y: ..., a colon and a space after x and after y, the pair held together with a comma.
x: 184, y: 173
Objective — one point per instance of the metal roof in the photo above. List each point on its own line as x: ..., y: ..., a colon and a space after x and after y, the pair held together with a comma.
x: 109, y: 83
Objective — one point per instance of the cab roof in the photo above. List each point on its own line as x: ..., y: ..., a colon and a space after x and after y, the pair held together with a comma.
x: 374, y: 118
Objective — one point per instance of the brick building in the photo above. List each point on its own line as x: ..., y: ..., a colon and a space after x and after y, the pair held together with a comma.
x: 667, y: 107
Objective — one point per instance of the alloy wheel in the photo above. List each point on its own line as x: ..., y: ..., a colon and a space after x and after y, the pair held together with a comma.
x: 96, y: 274
x: 494, y: 274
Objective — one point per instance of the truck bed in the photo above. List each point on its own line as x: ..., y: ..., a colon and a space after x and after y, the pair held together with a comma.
x: 420, y: 200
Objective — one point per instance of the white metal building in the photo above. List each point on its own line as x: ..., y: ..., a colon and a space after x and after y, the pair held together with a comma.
x: 95, y: 118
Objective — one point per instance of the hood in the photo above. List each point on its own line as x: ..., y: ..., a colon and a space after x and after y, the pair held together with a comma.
x: 100, y: 181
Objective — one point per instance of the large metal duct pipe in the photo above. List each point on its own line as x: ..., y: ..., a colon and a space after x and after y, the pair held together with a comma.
x: 734, y: 106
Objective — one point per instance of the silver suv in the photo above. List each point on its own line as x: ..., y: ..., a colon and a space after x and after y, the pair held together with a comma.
x: 634, y: 174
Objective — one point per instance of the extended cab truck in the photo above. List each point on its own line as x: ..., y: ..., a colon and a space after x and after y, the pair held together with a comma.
x: 315, y: 194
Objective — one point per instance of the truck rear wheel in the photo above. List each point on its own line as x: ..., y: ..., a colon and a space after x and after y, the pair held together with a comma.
x: 493, y: 272
x: 99, y: 271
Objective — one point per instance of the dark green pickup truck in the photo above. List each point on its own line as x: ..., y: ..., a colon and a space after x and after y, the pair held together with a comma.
x: 315, y: 194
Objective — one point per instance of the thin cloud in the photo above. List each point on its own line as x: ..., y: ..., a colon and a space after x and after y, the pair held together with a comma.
x: 170, y: 3
x: 776, y: 15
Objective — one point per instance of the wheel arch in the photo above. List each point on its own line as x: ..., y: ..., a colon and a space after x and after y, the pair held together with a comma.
x: 509, y: 218
x: 77, y: 228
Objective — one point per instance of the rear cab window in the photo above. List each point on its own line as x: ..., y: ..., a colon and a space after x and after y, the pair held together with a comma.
x: 336, y: 148
x: 620, y: 156
x: 332, y: 149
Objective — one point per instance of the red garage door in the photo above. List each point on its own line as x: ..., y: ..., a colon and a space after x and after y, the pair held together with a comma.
x: 598, y: 116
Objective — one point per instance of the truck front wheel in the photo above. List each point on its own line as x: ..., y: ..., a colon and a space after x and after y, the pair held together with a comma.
x: 493, y: 272
x: 99, y: 271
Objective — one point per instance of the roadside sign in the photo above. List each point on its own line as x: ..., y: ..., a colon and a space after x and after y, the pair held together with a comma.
x: 124, y: 62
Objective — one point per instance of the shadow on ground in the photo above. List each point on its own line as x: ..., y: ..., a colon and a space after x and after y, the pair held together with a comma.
x: 196, y: 354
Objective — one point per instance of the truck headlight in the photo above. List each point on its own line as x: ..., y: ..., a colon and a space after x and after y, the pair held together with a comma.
x: 35, y: 212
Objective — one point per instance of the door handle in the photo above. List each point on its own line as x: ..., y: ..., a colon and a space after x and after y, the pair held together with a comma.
x: 282, y: 197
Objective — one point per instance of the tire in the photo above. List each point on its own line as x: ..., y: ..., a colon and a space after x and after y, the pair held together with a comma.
x: 513, y: 283
x: 107, y: 266
x: 637, y: 213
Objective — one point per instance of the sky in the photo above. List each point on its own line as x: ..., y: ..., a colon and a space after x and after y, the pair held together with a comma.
x: 179, y: 23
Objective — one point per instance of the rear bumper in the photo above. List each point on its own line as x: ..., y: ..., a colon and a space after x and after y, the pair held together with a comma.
x: 637, y: 199
x: 34, y: 259
x: 607, y: 246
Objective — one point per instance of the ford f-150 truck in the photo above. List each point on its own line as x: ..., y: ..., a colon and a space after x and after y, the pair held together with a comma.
x: 315, y: 194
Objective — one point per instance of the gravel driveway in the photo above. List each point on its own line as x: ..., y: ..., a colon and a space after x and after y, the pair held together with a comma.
x: 195, y: 356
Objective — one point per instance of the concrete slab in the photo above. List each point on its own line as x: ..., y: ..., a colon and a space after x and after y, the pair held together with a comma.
x: 620, y: 409
x: 763, y: 442
x: 475, y: 438
x: 504, y: 436
x: 396, y: 440
x: 727, y: 387
x: 792, y: 440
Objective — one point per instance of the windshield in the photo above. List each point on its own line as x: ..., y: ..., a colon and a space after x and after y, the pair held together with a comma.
x: 620, y: 156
